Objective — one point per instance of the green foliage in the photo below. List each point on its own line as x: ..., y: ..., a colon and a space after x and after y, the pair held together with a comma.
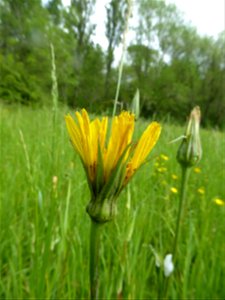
x: 15, y: 85
x: 173, y: 67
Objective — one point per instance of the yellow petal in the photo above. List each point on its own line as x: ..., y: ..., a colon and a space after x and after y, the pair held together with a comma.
x: 85, y: 137
x: 146, y: 143
x: 103, y: 126
x: 74, y: 134
x: 121, y: 135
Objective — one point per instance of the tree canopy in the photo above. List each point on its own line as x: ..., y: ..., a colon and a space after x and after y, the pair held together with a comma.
x: 167, y: 60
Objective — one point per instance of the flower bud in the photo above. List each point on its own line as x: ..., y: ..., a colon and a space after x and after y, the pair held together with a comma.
x: 190, y: 151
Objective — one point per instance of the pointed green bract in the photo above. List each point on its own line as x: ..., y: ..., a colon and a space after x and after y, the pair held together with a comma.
x: 103, y: 208
x: 135, y: 106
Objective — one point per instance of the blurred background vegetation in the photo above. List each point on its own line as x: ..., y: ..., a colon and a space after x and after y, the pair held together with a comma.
x: 167, y: 60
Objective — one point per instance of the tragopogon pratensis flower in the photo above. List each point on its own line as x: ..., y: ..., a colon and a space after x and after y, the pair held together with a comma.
x: 109, y: 157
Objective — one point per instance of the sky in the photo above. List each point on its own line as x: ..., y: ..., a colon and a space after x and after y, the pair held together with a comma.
x: 208, y: 16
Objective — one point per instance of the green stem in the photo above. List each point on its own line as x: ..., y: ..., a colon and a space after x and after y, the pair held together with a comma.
x: 184, y: 180
x: 122, y: 56
x: 95, y: 239
x: 54, y: 107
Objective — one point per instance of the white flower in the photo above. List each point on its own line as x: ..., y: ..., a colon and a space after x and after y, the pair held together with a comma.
x: 168, y: 265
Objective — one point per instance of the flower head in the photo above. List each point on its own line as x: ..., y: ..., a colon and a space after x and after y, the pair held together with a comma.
x: 219, y: 202
x: 197, y: 170
x: 164, y: 157
x: 174, y: 190
x: 174, y: 176
x: 201, y: 190
x: 161, y: 169
x: 109, y: 157
x: 190, y: 151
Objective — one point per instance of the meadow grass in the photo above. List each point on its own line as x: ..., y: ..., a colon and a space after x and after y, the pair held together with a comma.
x: 44, y: 229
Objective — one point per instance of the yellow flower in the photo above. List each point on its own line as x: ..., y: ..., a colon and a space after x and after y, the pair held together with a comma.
x: 162, y: 169
x: 174, y: 176
x: 164, y: 157
x: 197, y: 170
x: 54, y: 182
x: 174, y: 190
x: 163, y: 183
x: 219, y: 202
x: 109, y: 158
x: 201, y: 191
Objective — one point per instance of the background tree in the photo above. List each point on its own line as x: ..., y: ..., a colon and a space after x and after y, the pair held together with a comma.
x: 212, y: 71
x: 114, y: 28
x: 172, y: 65
x: 87, y: 58
x: 23, y: 43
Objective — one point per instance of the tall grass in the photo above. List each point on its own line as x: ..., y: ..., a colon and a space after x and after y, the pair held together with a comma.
x: 44, y: 227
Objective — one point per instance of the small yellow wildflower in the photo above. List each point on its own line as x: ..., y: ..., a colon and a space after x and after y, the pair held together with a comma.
x: 71, y: 165
x: 164, y: 183
x: 174, y: 190
x: 54, y: 182
x: 219, y: 201
x: 197, y: 170
x: 201, y: 191
x: 109, y: 165
x: 164, y: 157
x: 161, y: 169
x: 174, y: 176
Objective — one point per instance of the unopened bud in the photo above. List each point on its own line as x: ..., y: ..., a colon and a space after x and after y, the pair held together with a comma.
x: 190, y: 150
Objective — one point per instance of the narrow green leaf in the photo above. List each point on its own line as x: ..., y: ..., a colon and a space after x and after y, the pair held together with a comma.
x: 135, y: 105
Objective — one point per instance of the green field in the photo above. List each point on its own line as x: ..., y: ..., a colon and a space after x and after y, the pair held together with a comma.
x: 44, y: 229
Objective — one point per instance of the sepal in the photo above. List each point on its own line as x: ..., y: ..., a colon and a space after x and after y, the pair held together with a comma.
x: 102, y: 211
